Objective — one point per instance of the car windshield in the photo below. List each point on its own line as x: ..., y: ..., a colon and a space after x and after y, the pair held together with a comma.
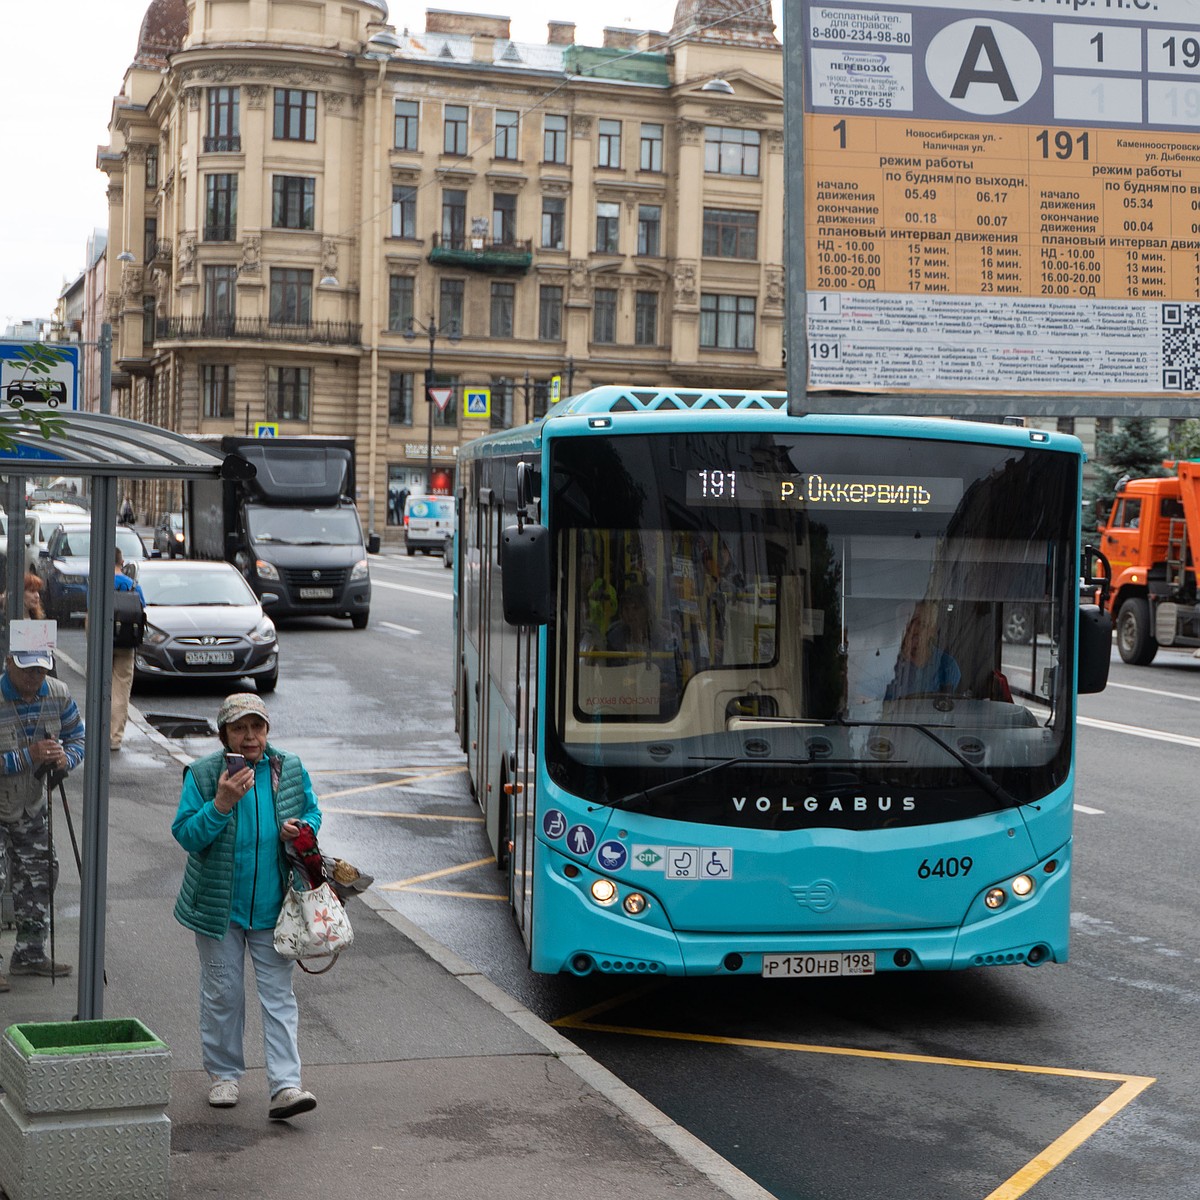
x: 304, y: 526
x: 187, y: 587
x: 77, y: 543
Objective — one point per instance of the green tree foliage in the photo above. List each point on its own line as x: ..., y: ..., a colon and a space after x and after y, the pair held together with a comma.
x: 31, y: 368
x: 1133, y: 449
x: 1185, y: 442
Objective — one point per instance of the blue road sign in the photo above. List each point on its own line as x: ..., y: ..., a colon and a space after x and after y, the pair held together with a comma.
x: 20, y: 387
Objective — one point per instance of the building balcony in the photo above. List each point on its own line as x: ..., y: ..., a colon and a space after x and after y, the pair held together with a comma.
x: 482, y: 254
x: 256, y: 329
x: 228, y: 144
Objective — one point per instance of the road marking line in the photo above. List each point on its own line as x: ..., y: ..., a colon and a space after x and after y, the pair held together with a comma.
x: 401, y: 628
x: 400, y: 884
x: 1093, y: 812
x: 456, y: 895
x: 405, y: 587
x: 396, y: 816
x: 1133, y: 687
x: 1016, y: 1185
x: 388, y: 783
x: 1156, y: 735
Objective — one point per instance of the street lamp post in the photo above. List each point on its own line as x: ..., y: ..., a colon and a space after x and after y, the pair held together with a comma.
x: 433, y: 332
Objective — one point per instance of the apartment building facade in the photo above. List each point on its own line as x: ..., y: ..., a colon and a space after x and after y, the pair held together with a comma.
x: 314, y: 216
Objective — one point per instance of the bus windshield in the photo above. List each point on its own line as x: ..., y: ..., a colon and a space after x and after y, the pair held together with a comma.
x: 771, y: 630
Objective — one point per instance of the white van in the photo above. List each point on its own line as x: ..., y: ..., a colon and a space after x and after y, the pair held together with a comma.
x: 428, y: 523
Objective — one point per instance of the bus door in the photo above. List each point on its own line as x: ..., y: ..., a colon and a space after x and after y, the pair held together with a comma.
x: 488, y: 513
x: 522, y: 785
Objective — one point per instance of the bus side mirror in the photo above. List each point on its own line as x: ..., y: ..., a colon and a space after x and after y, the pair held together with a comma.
x: 1095, y: 648
x: 526, y: 587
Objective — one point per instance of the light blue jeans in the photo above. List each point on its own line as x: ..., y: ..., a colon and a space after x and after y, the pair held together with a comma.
x: 223, y: 1006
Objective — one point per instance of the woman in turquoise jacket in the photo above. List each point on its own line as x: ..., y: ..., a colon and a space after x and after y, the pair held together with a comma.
x: 233, y: 820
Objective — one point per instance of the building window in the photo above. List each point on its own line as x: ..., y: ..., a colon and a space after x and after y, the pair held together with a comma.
x: 291, y: 296
x: 150, y: 239
x: 293, y: 202
x: 400, y: 398
x: 454, y: 129
x: 404, y: 211
x: 287, y: 393
x: 454, y: 218
x: 502, y: 403
x: 504, y: 218
x: 550, y: 303
x: 503, y: 301
x: 730, y: 151
x: 148, y: 309
x: 650, y: 230
x: 609, y: 145
x: 726, y: 322
x: 1065, y: 424
x: 608, y: 220
x: 219, y: 296
x: 450, y: 305
x: 400, y: 302
x: 730, y: 233
x: 216, y: 389
x: 152, y: 166
x: 508, y: 129
x: 220, y: 208
x: 645, y: 319
x: 408, y: 114
x: 604, y: 315
x: 222, y: 127
x: 650, y: 157
x: 1104, y: 424
x: 295, y: 115
x: 554, y: 139
x: 554, y: 220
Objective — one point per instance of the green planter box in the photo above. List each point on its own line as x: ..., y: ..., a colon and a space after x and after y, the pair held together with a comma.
x: 84, y: 1113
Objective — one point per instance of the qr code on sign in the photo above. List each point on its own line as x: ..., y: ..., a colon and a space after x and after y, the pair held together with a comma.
x: 1181, y: 347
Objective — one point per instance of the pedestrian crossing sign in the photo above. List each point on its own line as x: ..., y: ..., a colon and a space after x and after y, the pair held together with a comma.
x: 266, y: 429
x: 555, y: 388
x: 477, y: 402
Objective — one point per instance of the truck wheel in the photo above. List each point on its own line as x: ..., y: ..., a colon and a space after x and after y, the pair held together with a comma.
x: 1018, y: 624
x: 359, y: 620
x: 410, y: 550
x: 1135, y: 642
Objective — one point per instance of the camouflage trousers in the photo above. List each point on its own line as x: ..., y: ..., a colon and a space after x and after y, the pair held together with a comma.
x: 32, y: 877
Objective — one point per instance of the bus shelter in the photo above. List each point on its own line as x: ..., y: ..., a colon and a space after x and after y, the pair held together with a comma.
x: 101, y: 449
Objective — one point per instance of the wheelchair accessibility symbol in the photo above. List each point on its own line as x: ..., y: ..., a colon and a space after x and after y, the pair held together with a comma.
x: 554, y: 824
x: 717, y: 863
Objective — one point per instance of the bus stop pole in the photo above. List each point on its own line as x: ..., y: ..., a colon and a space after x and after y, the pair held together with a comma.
x: 97, y: 706
x: 795, y: 328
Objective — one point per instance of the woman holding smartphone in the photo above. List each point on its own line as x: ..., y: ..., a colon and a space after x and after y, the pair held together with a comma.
x: 238, y: 807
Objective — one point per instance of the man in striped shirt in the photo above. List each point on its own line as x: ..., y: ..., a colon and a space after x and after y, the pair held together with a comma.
x: 41, y: 734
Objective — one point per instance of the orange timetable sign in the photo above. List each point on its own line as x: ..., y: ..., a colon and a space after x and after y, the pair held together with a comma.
x: 905, y: 206
x: 1003, y: 196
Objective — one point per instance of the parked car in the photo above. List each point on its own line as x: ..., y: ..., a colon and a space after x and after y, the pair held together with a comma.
x: 65, y: 563
x: 204, y: 621
x: 428, y: 522
x: 168, y: 535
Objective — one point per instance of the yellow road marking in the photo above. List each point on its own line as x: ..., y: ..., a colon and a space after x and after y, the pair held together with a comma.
x: 400, y: 884
x: 389, y: 783
x: 1016, y: 1185
x: 396, y: 816
x: 458, y: 895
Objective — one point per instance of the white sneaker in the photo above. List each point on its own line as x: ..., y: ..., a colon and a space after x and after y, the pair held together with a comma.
x: 290, y: 1102
x: 223, y: 1093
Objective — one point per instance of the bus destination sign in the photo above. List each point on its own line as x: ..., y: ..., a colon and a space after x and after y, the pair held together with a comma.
x: 720, y: 488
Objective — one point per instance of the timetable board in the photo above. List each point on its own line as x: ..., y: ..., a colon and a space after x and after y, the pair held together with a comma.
x: 1003, y: 197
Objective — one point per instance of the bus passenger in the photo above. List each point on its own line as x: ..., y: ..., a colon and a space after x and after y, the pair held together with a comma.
x: 923, y: 667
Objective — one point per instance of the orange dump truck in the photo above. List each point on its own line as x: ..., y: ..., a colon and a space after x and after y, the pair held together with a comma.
x: 1152, y: 542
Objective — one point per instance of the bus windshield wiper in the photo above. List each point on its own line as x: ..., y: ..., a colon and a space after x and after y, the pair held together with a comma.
x: 979, y: 776
x: 661, y: 789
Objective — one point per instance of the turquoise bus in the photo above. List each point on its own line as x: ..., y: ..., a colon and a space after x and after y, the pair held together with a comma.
x: 735, y: 692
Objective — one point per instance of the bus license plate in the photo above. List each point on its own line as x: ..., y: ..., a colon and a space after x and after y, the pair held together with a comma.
x: 818, y: 966
x: 316, y: 593
x: 208, y: 658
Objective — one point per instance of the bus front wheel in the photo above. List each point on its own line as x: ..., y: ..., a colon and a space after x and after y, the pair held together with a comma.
x: 1135, y: 642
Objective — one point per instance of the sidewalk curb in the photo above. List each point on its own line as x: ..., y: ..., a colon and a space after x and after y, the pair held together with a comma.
x: 703, y: 1158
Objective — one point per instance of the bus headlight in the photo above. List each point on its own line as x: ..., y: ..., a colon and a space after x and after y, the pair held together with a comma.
x: 1022, y: 886
x: 604, y: 891
x: 995, y: 898
x: 634, y: 903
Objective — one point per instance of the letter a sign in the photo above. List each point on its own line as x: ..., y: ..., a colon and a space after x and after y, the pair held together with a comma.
x: 440, y: 396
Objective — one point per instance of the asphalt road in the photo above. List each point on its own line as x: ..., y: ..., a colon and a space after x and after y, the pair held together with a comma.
x: 1073, y: 1082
